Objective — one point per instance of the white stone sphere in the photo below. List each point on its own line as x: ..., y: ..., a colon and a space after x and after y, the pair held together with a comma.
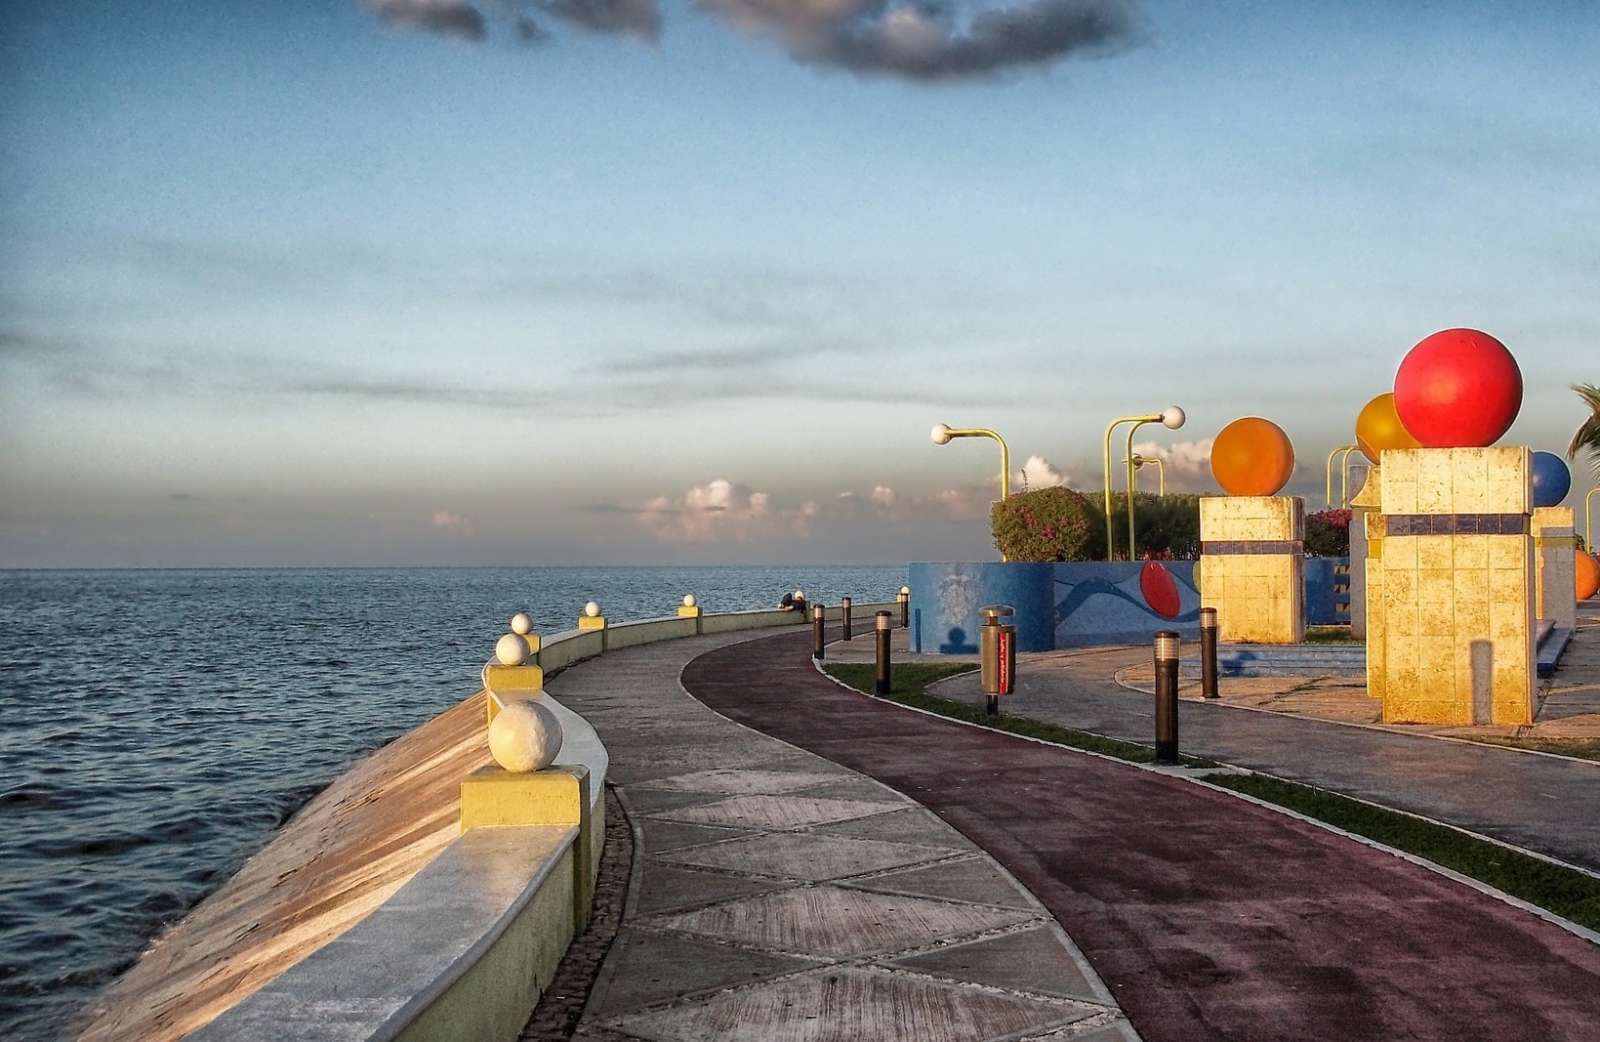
x: 521, y: 624
x: 511, y: 650
x: 592, y: 610
x: 525, y: 736
x: 688, y: 600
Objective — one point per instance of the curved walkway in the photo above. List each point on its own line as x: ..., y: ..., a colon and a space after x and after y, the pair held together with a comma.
x: 779, y: 897
x: 1208, y: 917
x: 1544, y: 803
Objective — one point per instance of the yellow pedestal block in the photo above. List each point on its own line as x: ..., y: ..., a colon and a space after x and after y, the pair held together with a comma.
x: 687, y: 612
x: 508, y: 682
x: 591, y: 622
x: 1453, y: 597
x: 1252, y: 567
x: 492, y: 797
x: 533, y: 642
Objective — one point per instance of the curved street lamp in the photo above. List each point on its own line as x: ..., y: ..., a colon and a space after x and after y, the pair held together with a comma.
x: 1588, y: 519
x: 942, y: 434
x: 1140, y: 462
x: 1172, y: 418
x: 1344, y: 477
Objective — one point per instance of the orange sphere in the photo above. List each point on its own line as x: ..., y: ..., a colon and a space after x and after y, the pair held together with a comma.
x: 1252, y: 457
x: 1379, y: 427
x: 1588, y: 575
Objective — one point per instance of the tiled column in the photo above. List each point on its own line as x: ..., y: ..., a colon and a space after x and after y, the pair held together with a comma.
x: 1554, y: 540
x: 1457, y: 587
x: 1252, y: 567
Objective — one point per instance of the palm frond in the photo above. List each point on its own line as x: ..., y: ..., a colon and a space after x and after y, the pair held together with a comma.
x: 1587, y: 438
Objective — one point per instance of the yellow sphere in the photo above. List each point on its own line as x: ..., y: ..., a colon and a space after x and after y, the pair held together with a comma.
x: 1379, y: 427
x: 1252, y: 457
x: 1588, y: 575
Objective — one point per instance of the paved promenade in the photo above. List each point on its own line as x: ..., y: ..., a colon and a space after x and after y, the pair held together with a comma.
x: 1544, y: 803
x: 779, y: 897
x: 1208, y: 917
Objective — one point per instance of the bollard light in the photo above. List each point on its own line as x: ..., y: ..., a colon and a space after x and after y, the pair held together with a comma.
x: 997, y: 658
x: 1167, y: 645
x: 1172, y: 417
x: 905, y: 607
x: 818, y: 641
x: 844, y: 616
x: 882, y: 623
x: 1208, y: 652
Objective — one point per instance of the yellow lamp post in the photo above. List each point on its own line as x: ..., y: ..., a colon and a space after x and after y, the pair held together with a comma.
x: 1588, y: 519
x: 1172, y: 418
x: 1140, y: 462
x: 942, y: 434
x: 1344, y: 471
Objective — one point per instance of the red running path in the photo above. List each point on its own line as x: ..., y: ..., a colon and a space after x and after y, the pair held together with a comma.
x: 1207, y: 916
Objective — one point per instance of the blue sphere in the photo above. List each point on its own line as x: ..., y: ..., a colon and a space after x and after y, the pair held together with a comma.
x: 1552, y: 480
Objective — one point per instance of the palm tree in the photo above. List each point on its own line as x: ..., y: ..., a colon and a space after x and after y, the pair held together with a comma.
x: 1588, y: 435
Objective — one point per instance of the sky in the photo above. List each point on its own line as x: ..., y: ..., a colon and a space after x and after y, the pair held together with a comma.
x: 493, y: 282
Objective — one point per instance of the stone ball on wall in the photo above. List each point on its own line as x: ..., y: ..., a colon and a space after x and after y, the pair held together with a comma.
x: 511, y: 650
x: 521, y: 624
x: 525, y: 736
x: 1252, y: 457
x: 592, y: 609
x: 688, y: 600
x: 1459, y: 388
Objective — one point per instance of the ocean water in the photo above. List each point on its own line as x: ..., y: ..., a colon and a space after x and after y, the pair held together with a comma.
x: 157, y: 726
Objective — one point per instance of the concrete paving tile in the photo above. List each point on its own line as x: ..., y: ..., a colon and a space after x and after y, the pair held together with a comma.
x: 737, y: 782
x: 974, y: 879
x: 1033, y: 960
x: 644, y: 968
x: 855, y: 1005
x: 804, y: 855
x: 851, y: 789
x: 774, y: 812
x: 666, y: 887
x: 832, y: 921
x: 670, y: 835
x: 644, y: 800
x: 912, y: 825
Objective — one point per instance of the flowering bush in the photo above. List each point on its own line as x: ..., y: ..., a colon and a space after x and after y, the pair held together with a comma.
x: 1050, y: 524
x: 1328, y: 533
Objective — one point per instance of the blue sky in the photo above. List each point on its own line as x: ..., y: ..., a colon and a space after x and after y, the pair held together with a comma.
x: 293, y: 284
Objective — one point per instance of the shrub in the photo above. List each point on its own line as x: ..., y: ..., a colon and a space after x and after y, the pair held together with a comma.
x: 1049, y: 524
x: 1328, y: 533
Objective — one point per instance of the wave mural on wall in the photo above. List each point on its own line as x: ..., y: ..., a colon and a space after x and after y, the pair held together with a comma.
x: 1104, y: 602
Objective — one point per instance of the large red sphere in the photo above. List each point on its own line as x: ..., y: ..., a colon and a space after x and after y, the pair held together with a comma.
x: 1458, y: 388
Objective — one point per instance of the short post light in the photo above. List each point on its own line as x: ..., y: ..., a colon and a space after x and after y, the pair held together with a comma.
x: 1166, y: 654
x: 690, y: 609
x: 1140, y: 462
x: 997, y: 658
x: 1208, y: 652
x: 904, y: 597
x: 844, y: 616
x: 818, y: 640
x: 942, y: 435
x: 1172, y: 417
x: 882, y: 622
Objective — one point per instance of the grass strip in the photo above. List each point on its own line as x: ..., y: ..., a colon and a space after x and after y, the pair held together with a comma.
x: 1568, y: 893
x: 1582, y: 748
x: 910, y: 682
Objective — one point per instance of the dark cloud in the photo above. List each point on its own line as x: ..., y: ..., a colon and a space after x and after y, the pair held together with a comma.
x: 446, y: 17
x: 933, y: 42
x: 926, y: 41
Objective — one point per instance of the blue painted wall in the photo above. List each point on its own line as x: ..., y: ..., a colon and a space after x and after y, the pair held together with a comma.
x: 1327, y: 591
x: 946, y: 597
x: 1100, y: 602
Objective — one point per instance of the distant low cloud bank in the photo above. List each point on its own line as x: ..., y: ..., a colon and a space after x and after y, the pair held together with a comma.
x: 927, y: 41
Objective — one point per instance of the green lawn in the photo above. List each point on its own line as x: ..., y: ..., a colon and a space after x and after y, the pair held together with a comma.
x: 1568, y: 893
x: 1582, y: 748
x: 1330, y: 635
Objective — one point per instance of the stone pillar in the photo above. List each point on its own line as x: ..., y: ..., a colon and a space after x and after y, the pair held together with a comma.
x: 1453, y: 601
x: 1360, y: 477
x: 1252, y: 567
x: 1555, y: 540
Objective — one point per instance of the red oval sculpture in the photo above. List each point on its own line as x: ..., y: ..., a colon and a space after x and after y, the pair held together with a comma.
x: 1459, y: 388
x: 1160, y: 589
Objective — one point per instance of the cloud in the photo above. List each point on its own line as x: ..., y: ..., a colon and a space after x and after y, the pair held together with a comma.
x: 932, y: 42
x: 449, y: 521
x: 1038, y: 472
x: 925, y: 41
x: 722, y: 510
x: 1185, y: 460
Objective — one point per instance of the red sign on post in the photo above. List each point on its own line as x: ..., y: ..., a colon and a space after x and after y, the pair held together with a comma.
x: 1006, y: 637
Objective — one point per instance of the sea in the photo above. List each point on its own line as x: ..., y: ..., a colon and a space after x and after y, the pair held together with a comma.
x: 157, y: 726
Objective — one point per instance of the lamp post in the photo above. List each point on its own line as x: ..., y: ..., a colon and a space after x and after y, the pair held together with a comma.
x: 1588, y: 519
x: 1172, y: 418
x: 1344, y: 470
x: 1140, y: 462
x: 942, y: 433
